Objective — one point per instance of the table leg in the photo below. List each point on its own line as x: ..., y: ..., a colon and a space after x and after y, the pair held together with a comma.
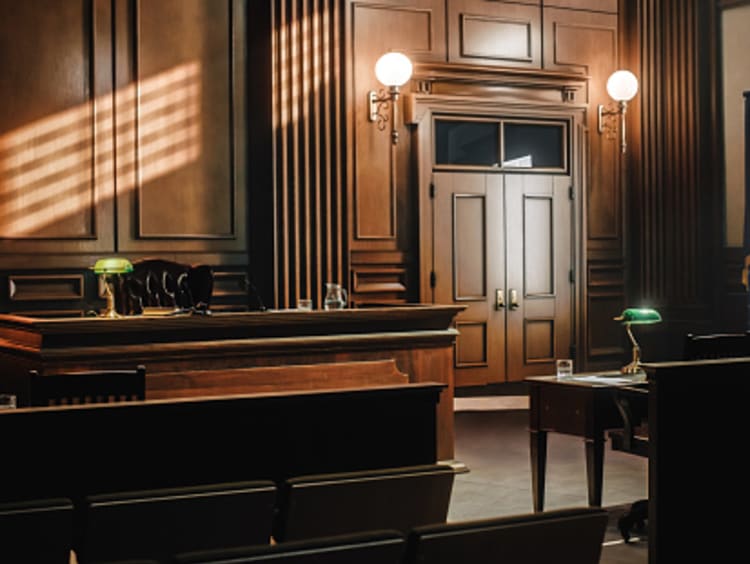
x: 538, y: 467
x: 595, y: 469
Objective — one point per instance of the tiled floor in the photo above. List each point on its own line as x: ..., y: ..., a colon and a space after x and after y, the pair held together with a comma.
x: 493, y: 443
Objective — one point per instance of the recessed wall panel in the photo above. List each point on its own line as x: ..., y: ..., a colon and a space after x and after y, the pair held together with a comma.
x: 469, y: 243
x: 55, y: 126
x: 538, y: 247
x: 184, y: 148
x: 495, y: 38
x: 471, y: 344
x: 539, y: 340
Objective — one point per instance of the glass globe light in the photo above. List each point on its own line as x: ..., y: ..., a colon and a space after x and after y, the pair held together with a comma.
x: 622, y: 85
x: 393, y: 69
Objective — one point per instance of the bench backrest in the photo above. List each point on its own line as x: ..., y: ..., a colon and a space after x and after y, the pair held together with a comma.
x: 350, y: 502
x: 162, y: 522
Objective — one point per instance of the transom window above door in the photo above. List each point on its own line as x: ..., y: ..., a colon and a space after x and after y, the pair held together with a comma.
x: 502, y: 144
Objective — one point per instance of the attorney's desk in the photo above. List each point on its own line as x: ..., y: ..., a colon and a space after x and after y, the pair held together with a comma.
x: 239, y: 353
x: 582, y: 406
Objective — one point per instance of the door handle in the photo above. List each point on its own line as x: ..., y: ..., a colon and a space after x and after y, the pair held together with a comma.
x: 513, y: 299
x: 499, y: 299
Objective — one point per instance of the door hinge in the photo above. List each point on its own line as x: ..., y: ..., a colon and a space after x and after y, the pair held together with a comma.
x: 432, y: 190
x: 571, y: 193
x: 572, y: 276
x: 572, y: 352
x: 433, y: 279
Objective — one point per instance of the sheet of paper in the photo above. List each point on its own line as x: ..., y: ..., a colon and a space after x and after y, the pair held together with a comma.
x: 611, y: 380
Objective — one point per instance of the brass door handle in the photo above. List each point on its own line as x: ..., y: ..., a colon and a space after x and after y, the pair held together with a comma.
x: 513, y: 299
x: 499, y: 299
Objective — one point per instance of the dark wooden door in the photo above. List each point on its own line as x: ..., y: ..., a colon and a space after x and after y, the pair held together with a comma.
x: 502, y: 248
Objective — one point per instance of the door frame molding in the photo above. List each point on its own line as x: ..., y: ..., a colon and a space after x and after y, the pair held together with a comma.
x: 535, y: 99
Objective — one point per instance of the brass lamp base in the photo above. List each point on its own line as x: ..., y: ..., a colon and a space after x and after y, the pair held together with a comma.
x: 111, y: 311
x: 634, y: 366
x: 631, y: 368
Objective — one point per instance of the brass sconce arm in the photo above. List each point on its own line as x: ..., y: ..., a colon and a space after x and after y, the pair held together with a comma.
x: 379, y: 104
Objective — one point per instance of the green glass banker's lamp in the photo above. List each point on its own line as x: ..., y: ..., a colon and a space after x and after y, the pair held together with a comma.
x: 636, y: 316
x: 105, y: 268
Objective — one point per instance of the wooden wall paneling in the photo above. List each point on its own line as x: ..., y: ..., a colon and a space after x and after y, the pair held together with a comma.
x: 45, y: 287
x: 382, y: 203
x: 180, y: 122
x: 379, y: 277
x: 55, y: 129
x: 605, y: 294
x: 676, y: 236
x: 587, y: 42
x: 309, y: 137
x: 494, y: 33
x: 417, y: 28
x: 610, y: 6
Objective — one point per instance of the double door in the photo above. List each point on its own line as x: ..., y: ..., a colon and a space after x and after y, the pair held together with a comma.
x: 502, y: 247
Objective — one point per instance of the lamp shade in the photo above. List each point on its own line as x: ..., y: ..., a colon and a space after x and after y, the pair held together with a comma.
x: 639, y: 316
x: 393, y: 69
x: 112, y: 265
x: 622, y: 85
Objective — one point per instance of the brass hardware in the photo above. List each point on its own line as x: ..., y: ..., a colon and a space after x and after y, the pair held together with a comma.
x: 499, y: 299
x: 513, y: 299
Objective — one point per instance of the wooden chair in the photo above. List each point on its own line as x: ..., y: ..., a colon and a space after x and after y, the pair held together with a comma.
x: 95, y: 386
x: 158, y: 523
x: 632, y: 403
x: 351, y: 502
x: 36, y: 531
x: 550, y: 537
x: 373, y: 547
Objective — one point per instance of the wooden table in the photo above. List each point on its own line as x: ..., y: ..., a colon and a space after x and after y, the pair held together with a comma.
x: 581, y: 406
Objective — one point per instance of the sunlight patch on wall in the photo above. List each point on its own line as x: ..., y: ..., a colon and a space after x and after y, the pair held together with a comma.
x: 60, y: 166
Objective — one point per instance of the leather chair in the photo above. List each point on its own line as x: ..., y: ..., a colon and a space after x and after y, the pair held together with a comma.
x: 163, y: 283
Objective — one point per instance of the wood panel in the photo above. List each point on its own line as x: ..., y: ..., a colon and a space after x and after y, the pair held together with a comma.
x: 180, y: 114
x: 265, y: 379
x: 55, y: 129
x: 494, y: 33
x: 45, y: 287
x: 591, y: 5
x: 469, y: 247
x: 670, y: 192
x: 309, y: 155
x: 417, y: 28
x: 604, y: 341
x: 587, y: 42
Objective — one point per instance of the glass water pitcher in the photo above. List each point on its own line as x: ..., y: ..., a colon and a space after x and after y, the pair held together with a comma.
x: 336, y: 296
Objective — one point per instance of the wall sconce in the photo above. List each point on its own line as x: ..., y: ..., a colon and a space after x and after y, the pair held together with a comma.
x: 392, y: 70
x: 622, y: 86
